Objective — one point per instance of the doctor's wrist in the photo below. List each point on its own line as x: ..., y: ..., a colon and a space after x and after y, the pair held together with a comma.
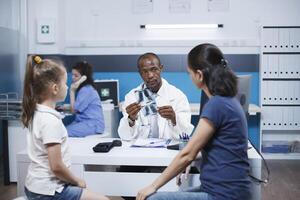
x: 173, y: 121
x: 130, y: 121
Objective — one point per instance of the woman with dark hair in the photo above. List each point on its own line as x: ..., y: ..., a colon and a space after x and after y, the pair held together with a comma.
x: 85, y: 103
x: 221, y: 136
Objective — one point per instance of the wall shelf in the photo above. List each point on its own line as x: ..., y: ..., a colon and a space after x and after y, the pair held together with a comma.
x: 280, y: 90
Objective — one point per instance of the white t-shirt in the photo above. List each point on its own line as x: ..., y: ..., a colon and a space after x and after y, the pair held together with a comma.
x: 47, y: 127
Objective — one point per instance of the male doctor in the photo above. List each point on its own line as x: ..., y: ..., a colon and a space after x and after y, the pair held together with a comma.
x: 167, y: 113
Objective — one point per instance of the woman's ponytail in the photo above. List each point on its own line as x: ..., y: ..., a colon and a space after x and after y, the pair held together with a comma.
x: 217, y: 75
x: 222, y: 81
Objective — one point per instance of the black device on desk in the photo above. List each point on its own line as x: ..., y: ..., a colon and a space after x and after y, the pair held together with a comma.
x: 173, y: 147
x: 104, y: 147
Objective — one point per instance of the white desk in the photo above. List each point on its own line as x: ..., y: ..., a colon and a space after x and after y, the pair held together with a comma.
x: 252, y: 110
x: 95, y: 168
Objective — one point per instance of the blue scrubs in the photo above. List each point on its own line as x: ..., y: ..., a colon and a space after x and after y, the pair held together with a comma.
x: 89, y: 118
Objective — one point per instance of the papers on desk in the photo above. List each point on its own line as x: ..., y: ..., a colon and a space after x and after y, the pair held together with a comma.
x: 151, y: 143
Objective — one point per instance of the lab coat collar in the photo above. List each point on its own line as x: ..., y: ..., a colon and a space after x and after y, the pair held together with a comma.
x: 163, y: 90
x: 46, y: 109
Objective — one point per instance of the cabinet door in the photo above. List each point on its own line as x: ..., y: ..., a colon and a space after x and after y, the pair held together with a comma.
x: 16, y: 143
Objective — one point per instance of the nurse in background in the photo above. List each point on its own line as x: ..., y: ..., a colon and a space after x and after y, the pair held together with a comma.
x: 85, y: 103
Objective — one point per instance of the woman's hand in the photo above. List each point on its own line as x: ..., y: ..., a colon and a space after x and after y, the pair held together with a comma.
x: 186, y: 174
x: 144, y: 193
x: 81, y: 183
x: 76, y: 84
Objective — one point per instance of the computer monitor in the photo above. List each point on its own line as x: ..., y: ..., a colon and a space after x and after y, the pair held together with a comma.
x: 243, y: 95
x: 108, y: 90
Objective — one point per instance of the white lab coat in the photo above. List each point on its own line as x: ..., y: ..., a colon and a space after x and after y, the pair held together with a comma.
x: 167, y: 95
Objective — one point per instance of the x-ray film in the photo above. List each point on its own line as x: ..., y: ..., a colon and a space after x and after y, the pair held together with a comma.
x: 140, y: 96
x: 153, y: 107
x: 147, y: 100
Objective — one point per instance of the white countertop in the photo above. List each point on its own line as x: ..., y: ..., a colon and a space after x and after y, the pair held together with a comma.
x: 253, y: 109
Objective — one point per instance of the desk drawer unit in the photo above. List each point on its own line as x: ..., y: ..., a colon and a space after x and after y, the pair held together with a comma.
x: 128, y: 184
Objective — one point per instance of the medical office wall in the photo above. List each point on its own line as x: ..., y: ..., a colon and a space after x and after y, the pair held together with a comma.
x: 92, y: 28
x: 110, y: 30
x: 113, y: 27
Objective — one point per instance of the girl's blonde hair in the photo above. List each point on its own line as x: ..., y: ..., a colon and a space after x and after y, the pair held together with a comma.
x: 39, y: 75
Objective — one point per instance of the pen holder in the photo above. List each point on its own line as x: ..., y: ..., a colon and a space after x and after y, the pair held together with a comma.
x: 182, y: 143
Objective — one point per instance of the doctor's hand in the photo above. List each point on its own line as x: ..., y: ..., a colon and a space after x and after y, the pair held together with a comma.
x: 182, y: 175
x: 144, y: 193
x: 168, y: 113
x: 76, y: 84
x: 132, y: 110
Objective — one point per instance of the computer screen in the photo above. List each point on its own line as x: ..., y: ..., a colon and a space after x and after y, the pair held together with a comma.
x: 108, y: 89
x: 243, y: 95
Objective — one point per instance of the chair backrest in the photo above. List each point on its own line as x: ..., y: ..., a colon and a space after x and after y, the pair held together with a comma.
x: 243, y: 95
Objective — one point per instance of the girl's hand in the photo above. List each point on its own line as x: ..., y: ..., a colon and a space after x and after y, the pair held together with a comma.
x: 81, y: 183
x: 186, y: 174
x: 144, y: 193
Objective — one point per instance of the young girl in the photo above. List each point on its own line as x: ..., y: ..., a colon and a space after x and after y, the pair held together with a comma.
x: 49, y: 176
x: 221, y: 136
x: 85, y: 103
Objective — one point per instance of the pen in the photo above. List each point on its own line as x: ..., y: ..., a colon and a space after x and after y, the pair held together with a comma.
x: 184, y: 136
x: 187, y: 136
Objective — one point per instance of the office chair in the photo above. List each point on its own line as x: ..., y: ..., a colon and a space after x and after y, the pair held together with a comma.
x: 243, y: 93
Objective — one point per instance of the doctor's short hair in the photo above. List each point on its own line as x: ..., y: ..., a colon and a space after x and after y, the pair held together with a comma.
x: 145, y: 56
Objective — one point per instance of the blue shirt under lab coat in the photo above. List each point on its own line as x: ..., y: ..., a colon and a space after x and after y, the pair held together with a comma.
x: 89, y: 113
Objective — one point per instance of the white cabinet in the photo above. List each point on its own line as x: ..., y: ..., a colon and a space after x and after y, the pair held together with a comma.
x: 280, y: 91
x: 16, y: 143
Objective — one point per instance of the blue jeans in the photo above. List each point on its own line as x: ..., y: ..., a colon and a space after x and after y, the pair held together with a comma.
x: 69, y: 192
x: 190, y: 194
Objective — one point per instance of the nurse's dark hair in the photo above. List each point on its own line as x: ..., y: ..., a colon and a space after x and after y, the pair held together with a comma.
x: 39, y: 76
x: 84, y: 68
x: 145, y: 56
x: 217, y: 75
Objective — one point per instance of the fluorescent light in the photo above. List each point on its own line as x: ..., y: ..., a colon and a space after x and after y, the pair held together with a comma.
x: 178, y: 26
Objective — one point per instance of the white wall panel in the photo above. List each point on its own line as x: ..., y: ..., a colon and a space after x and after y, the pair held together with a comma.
x: 108, y: 27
